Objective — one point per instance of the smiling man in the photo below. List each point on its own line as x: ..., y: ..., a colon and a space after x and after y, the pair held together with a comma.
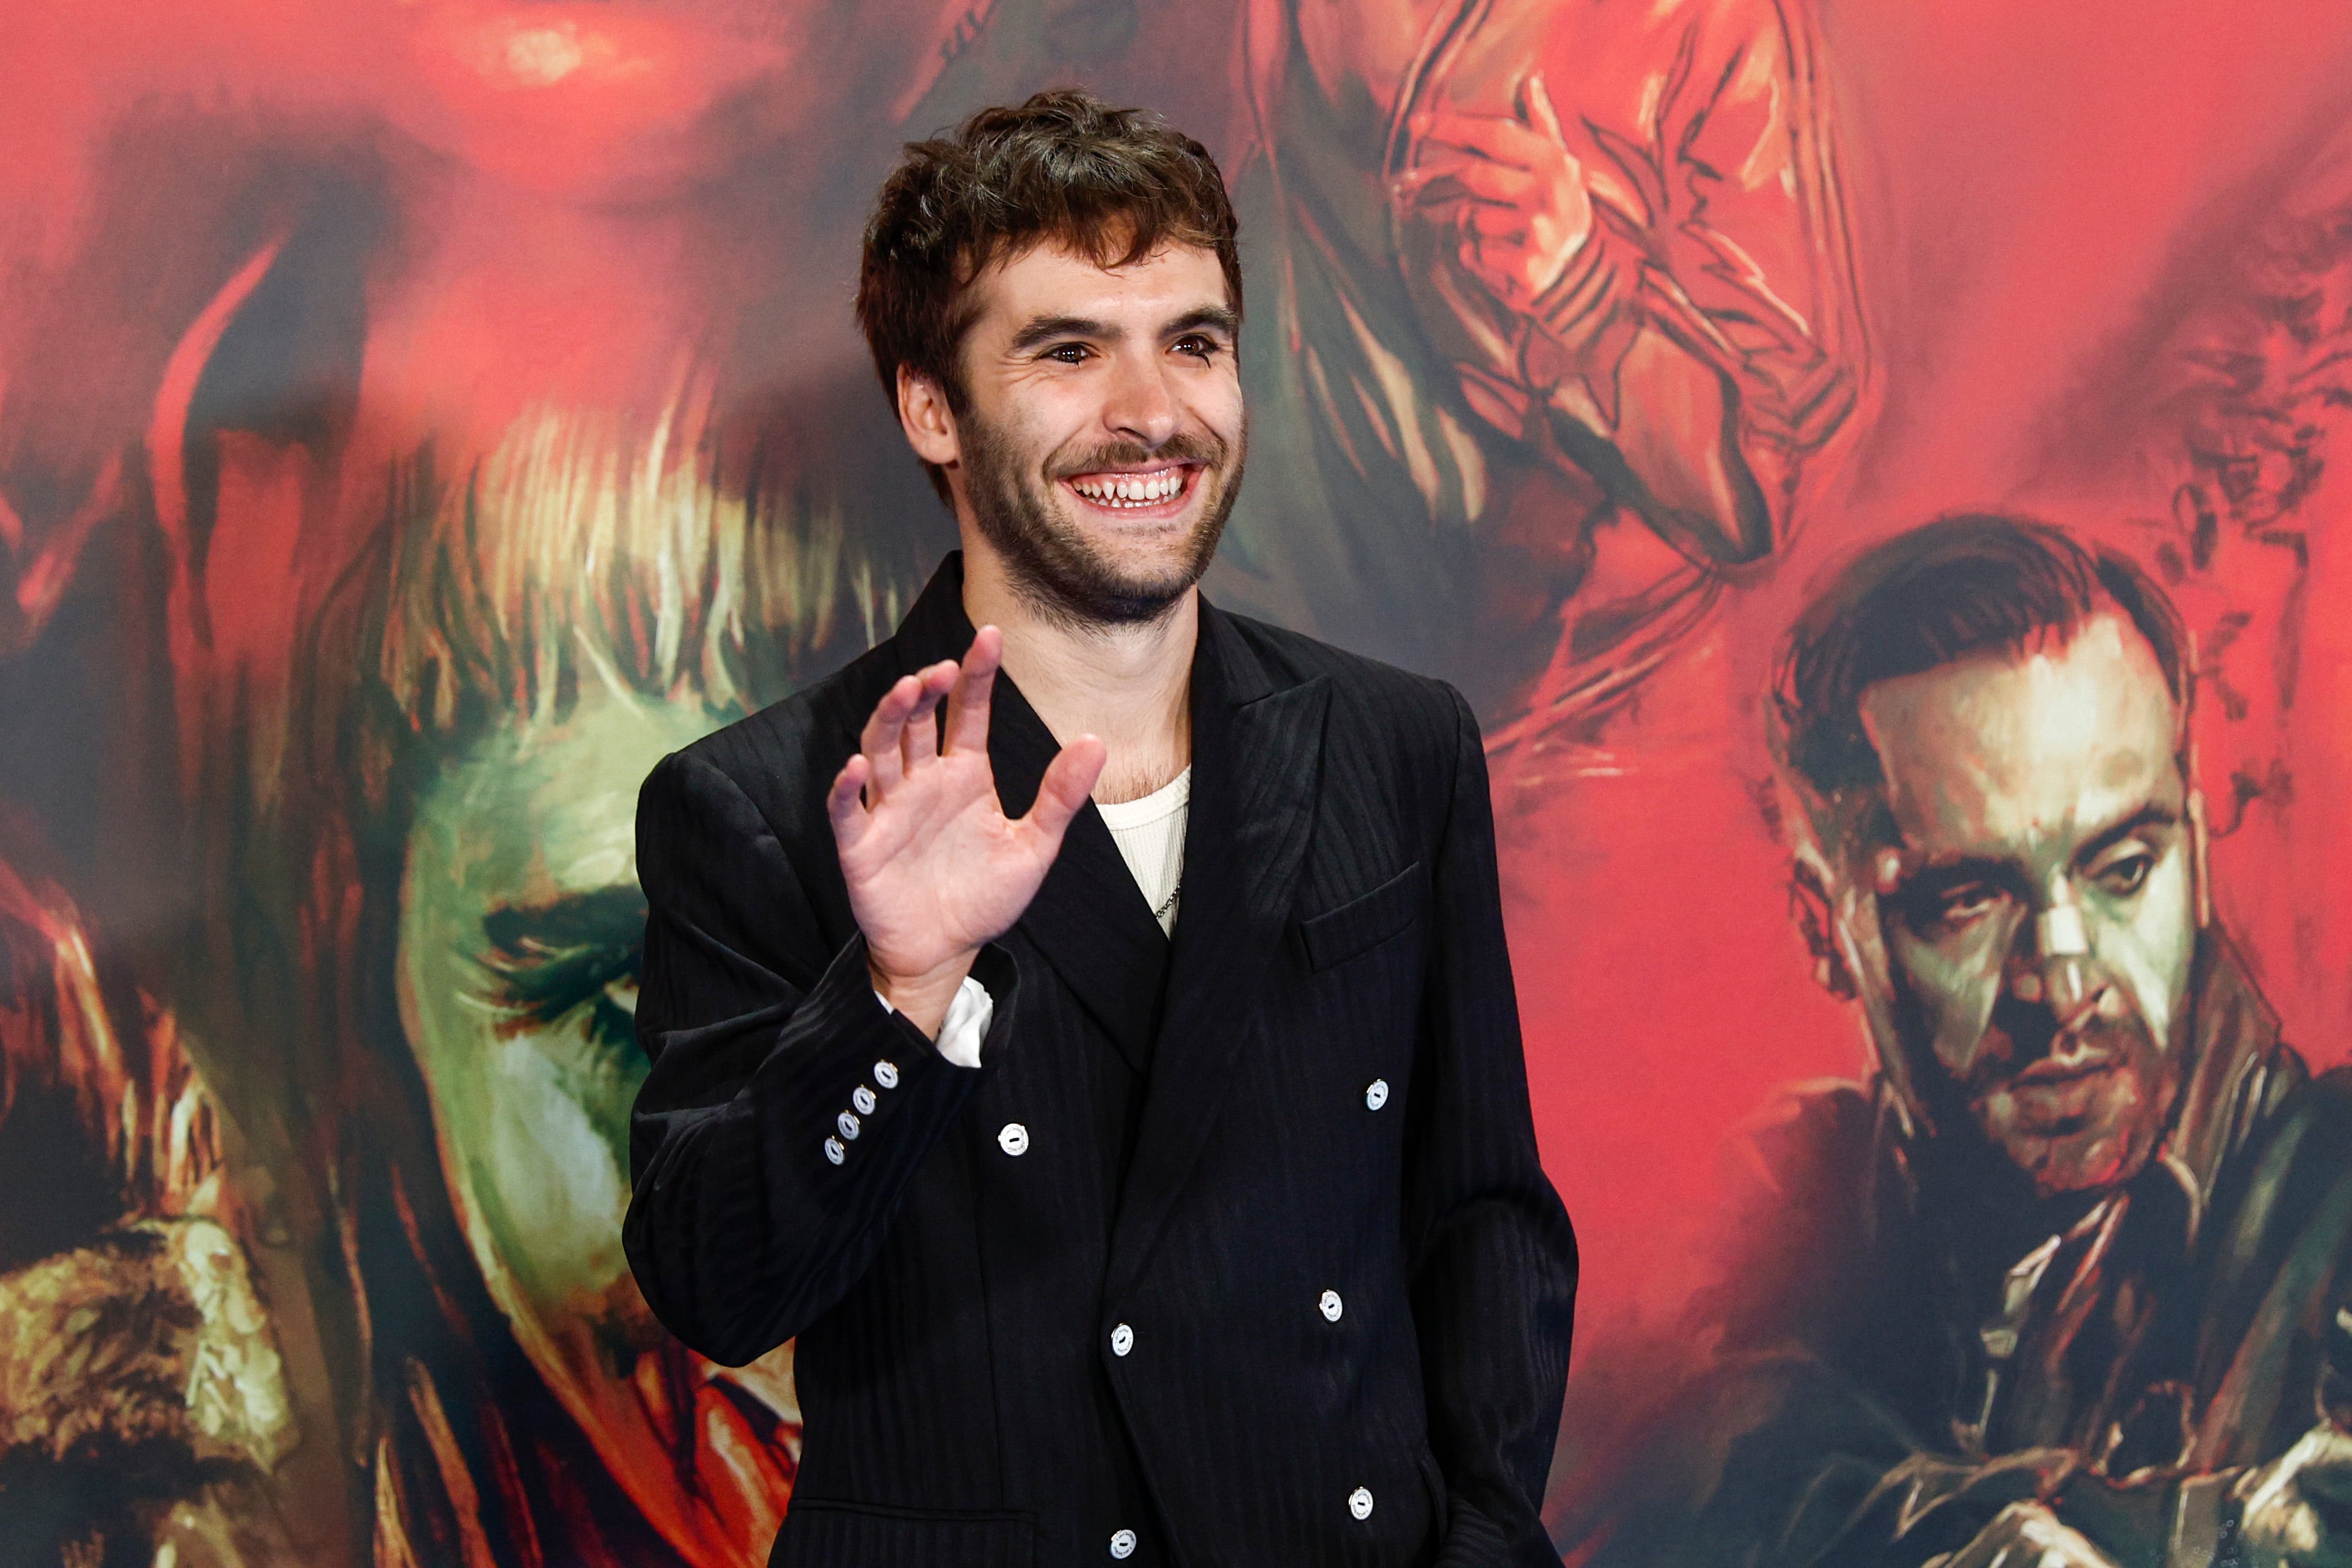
x: 2063, y: 1284
x: 1107, y: 1067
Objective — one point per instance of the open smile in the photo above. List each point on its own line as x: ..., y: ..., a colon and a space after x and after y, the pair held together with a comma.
x: 1161, y: 491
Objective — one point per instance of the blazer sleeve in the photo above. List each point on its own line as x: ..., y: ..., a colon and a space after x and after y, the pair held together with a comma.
x: 741, y: 1229
x: 1493, y: 1257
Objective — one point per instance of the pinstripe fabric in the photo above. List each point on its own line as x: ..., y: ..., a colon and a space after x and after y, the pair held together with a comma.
x: 1203, y: 1160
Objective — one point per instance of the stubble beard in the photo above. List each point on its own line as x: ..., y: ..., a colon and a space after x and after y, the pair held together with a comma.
x: 2080, y: 1139
x: 1053, y: 566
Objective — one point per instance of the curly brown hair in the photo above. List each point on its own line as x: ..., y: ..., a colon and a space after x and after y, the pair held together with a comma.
x: 1115, y: 186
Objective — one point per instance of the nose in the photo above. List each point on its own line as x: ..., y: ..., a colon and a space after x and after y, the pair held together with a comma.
x: 2059, y: 972
x: 2063, y: 947
x: 1141, y: 407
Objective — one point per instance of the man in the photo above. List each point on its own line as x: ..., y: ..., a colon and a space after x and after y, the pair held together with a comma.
x: 1111, y: 1073
x: 2064, y: 1283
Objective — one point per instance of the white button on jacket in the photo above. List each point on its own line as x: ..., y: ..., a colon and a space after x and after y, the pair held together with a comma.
x: 1376, y: 1094
x: 1013, y: 1138
x: 1331, y: 1305
x: 1360, y: 1503
x: 1122, y: 1340
x: 1122, y: 1543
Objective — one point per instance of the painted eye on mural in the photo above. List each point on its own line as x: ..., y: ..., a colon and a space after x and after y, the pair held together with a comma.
x: 2124, y: 872
x: 1967, y: 904
x: 1937, y: 906
x: 576, y: 958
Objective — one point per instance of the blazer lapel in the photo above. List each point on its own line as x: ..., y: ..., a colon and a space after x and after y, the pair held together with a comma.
x: 1088, y: 918
x: 1258, y: 754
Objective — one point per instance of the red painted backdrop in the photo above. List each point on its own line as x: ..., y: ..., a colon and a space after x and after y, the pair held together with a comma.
x: 302, y: 305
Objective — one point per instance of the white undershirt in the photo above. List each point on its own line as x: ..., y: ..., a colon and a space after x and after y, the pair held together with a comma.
x: 1150, y: 834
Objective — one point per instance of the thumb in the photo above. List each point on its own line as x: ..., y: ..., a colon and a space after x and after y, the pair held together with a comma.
x: 1069, y: 780
x: 1534, y: 108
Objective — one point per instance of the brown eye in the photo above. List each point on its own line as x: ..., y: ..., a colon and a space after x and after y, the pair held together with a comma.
x: 1068, y: 353
x: 2126, y: 875
x: 1199, y: 347
x: 1966, y: 905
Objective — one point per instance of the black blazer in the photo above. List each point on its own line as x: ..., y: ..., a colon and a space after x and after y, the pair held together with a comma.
x: 1275, y: 1277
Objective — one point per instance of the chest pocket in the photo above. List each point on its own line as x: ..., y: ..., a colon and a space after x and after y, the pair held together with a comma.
x: 1362, y: 925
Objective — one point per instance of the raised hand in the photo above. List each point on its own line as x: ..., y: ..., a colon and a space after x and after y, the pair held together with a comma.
x: 934, y: 867
x: 1511, y: 187
x: 2298, y: 1508
x: 2026, y: 1535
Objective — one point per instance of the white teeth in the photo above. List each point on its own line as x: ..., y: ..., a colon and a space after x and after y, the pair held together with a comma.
x: 1148, y: 492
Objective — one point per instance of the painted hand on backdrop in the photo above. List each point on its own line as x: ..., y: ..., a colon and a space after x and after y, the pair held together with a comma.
x: 1511, y: 187
x: 935, y: 868
x: 2297, y: 1509
x: 2026, y: 1535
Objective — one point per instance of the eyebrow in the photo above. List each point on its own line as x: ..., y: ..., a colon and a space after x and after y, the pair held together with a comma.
x: 1046, y: 328
x: 1220, y: 317
x: 1942, y: 876
x: 1961, y: 870
x: 2149, y: 815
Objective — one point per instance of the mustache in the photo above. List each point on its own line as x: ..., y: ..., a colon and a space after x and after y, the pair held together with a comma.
x: 1184, y: 446
x: 2032, y: 1035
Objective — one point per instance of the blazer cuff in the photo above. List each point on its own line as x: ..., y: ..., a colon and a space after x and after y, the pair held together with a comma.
x: 867, y: 1088
x: 966, y: 1023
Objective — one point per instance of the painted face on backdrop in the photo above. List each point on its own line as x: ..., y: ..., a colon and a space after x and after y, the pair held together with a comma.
x: 2036, y: 898
x: 1102, y: 439
x: 520, y: 923
x: 638, y: 99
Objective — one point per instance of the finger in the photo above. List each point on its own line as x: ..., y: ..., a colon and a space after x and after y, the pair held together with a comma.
x: 1069, y: 780
x: 1495, y: 224
x: 1496, y: 140
x: 1475, y: 178
x: 842, y: 803
x: 881, y: 738
x: 968, y: 707
x: 1534, y: 108
x: 922, y: 736
x: 1467, y: 254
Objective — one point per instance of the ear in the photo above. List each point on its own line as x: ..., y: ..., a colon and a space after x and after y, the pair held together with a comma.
x: 1810, y: 906
x: 929, y: 422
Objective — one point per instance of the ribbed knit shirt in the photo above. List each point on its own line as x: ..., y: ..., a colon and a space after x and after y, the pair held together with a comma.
x: 1150, y: 834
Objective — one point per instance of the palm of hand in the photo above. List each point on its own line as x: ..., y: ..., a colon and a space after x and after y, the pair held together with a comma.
x: 940, y: 869
x: 934, y: 867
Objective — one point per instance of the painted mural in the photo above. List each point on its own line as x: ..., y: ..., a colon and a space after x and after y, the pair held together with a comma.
x: 418, y: 417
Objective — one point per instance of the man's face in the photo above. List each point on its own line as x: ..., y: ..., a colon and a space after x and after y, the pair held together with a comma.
x: 1100, y: 446
x: 520, y: 925
x: 635, y: 100
x: 2035, y: 894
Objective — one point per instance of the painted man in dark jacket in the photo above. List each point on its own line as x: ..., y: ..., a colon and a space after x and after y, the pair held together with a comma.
x: 2062, y: 1284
